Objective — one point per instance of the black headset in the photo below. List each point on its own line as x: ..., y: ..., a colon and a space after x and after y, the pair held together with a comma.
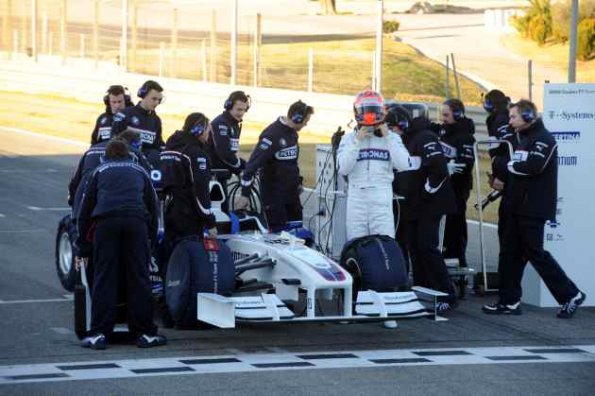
x: 300, y: 113
x: 457, y: 107
x: 197, y: 129
x: 528, y: 116
x: 233, y: 97
x: 127, y: 98
x: 488, y: 105
x: 142, y: 91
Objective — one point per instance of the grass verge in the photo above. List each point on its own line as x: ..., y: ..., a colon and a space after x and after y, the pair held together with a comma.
x: 555, y: 55
x: 340, y: 67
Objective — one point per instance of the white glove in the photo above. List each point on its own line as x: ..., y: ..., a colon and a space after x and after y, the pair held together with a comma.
x: 455, y: 167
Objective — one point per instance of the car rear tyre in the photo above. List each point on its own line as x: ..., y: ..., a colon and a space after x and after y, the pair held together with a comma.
x: 65, y: 253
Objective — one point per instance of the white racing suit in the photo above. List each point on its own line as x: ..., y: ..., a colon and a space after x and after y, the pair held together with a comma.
x: 369, y: 165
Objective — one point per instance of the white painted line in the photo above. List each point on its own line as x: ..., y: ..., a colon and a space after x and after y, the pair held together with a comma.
x: 62, y: 330
x: 47, y: 300
x: 2, y: 215
x: 235, y: 363
x: 22, y: 231
x: 36, y: 171
x: 487, y: 225
x: 38, y: 209
x: 41, y: 135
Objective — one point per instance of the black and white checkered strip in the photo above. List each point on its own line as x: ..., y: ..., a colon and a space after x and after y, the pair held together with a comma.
x: 288, y: 361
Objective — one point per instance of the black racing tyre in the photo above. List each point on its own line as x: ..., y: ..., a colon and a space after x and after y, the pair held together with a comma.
x: 65, y: 253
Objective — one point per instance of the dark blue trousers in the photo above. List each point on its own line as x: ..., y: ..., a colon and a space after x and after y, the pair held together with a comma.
x: 522, y: 241
x: 121, y: 248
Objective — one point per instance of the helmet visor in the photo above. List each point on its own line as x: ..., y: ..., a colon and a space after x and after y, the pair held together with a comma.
x: 370, y: 114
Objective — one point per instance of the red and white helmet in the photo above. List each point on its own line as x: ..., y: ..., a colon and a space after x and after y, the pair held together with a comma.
x: 369, y: 108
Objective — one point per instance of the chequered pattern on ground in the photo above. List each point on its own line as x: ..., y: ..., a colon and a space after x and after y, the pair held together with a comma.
x: 287, y: 361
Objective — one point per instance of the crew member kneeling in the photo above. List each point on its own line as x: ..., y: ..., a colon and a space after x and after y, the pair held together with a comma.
x: 119, y: 212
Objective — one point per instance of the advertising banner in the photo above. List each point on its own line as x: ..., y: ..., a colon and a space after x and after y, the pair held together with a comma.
x: 569, y: 114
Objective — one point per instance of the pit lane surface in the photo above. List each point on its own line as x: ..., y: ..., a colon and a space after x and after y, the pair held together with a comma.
x: 37, y: 321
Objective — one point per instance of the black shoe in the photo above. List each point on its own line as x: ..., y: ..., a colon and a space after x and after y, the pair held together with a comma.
x: 147, y: 341
x: 570, y: 307
x: 502, y: 309
x: 97, y: 341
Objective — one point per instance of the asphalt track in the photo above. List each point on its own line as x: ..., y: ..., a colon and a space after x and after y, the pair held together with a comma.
x: 39, y: 354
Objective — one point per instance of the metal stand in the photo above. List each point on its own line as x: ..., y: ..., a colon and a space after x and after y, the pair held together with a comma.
x: 479, y: 206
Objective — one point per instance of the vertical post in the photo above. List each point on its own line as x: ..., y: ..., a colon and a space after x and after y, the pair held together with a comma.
x: 132, y: 60
x: 51, y: 43
x: 161, y: 56
x: 379, y: 22
x: 173, y: 65
x: 7, y: 26
x: 257, y: 44
x: 310, y: 69
x: 573, y: 39
x: 213, y: 54
x: 234, y: 43
x: 454, y: 72
x: 63, y: 29
x: 15, y: 41
x: 44, y: 33
x: 23, y: 30
x: 96, y: 15
x: 530, y: 78
x: 203, y: 51
x: 82, y: 49
x: 373, y: 85
x: 34, y: 17
x: 446, y: 87
x: 124, y: 37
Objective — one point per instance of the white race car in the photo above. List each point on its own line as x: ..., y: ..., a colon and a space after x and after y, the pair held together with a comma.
x: 289, y: 269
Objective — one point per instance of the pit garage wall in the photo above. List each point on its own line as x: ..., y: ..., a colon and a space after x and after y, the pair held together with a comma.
x: 569, y: 113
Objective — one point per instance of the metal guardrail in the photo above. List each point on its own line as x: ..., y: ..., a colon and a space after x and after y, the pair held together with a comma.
x: 80, y: 79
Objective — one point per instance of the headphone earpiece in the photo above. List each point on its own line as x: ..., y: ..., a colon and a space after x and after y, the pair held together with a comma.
x: 228, y: 105
x: 300, y: 114
x: 488, y: 105
x: 457, y: 114
x: 403, y: 125
x: 197, y: 130
x: 142, y: 91
x: 136, y: 144
x: 528, y: 116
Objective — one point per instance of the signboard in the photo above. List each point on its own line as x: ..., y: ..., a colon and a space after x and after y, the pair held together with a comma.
x: 569, y: 114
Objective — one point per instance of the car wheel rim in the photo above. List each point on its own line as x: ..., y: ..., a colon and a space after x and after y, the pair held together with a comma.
x: 65, y: 253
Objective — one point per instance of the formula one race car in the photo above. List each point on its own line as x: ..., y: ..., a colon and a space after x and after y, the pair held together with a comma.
x: 277, y: 279
x: 294, y: 275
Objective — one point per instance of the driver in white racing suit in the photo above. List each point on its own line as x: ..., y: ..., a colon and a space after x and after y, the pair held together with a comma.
x: 367, y: 156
